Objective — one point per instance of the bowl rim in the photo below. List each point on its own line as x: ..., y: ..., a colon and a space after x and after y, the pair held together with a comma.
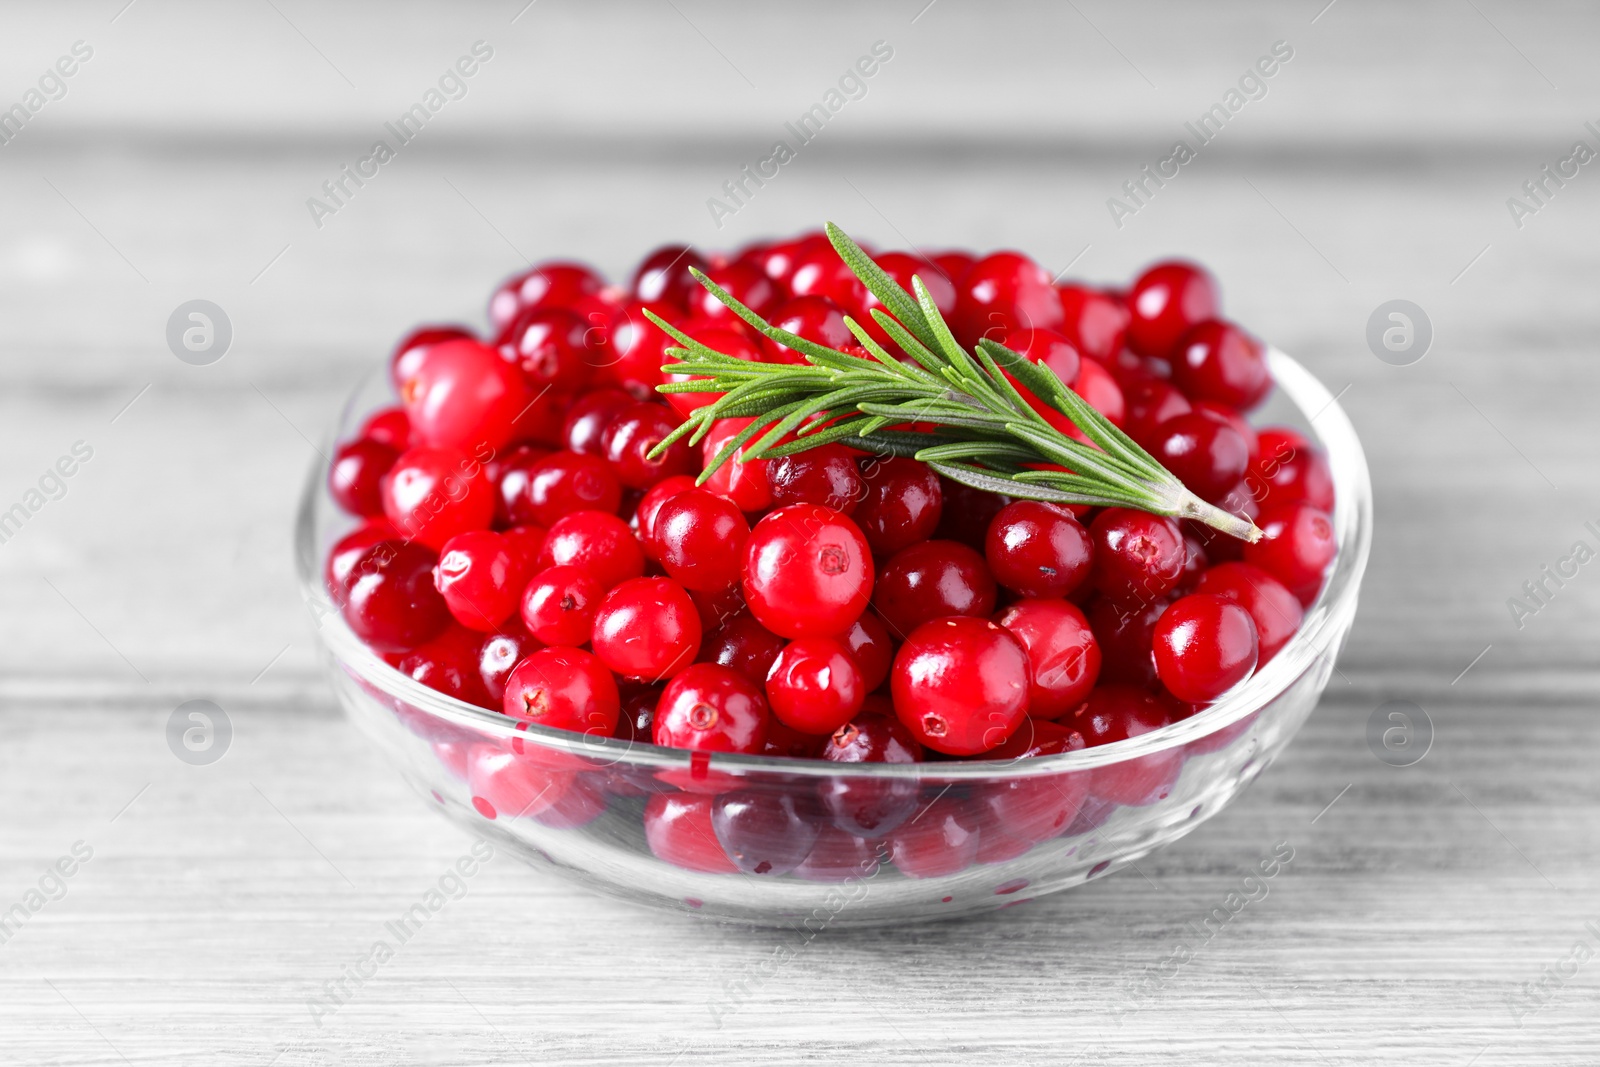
x: 1326, y: 620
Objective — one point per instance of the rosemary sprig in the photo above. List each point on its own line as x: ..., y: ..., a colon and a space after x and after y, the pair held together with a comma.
x: 986, y: 435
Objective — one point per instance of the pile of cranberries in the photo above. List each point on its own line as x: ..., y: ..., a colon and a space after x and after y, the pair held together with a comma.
x: 519, y: 549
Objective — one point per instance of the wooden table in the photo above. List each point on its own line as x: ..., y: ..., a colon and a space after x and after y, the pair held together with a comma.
x: 1421, y: 901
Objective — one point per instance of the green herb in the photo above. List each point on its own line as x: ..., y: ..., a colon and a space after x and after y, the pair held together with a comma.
x: 986, y: 435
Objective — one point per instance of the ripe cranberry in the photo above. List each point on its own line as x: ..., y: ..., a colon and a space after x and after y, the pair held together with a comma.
x: 356, y: 475
x: 629, y: 349
x: 930, y: 580
x: 507, y: 783
x: 825, y: 475
x: 558, y: 605
x: 498, y: 655
x: 872, y: 649
x: 954, y: 265
x: 1116, y: 713
x: 634, y: 724
x: 1217, y: 361
x: 1195, y: 562
x: 432, y: 494
x: 588, y: 418
x: 814, y: 686
x: 942, y: 840
x: 677, y: 827
x: 663, y: 276
x: 1039, y: 737
x: 1125, y: 630
x: 778, y: 260
x: 390, y: 601
x: 807, y: 571
x: 1017, y: 813
x: 1137, y: 555
x: 743, y: 481
x: 600, y: 543
x: 1101, y: 392
x: 463, y: 395
x: 551, y: 284
x: 647, y: 628
x: 1151, y: 402
x: 479, y: 579
x: 565, y: 688
x: 1203, y: 452
x: 347, y: 552
x: 1204, y: 646
x: 787, y: 742
x: 711, y: 708
x: 839, y: 857
x: 745, y: 282
x: 813, y: 317
x: 727, y: 340
x: 1274, y: 610
x: 408, y: 355
x: 1038, y: 550
x: 644, y: 515
x: 1165, y: 302
x: 901, y: 506
x: 549, y: 345
x: 1290, y: 468
x: 699, y: 538
x: 1063, y: 655
x: 1005, y: 291
x: 1095, y: 322
x: 718, y: 606
x: 1048, y: 349
x: 627, y: 442
x: 763, y: 833
x: 448, y: 664
x: 558, y: 485
x: 390, y: 426
x: 743, y: 644
x: 864, y: 806
x: 1297, y: 546
x: 965, y: 513
x: 821, y: 272
x: 581, y: 804
x: 961, y: 685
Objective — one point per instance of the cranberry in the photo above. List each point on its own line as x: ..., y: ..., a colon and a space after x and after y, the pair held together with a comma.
x: 1038, y: 550
x: 1203, y: 452
x: 663, y: 277
x: 677, y: 827
x: 1101, y: 392
x: 390, y: 600
x: 347, y: 552
x: 901, y: 506
x: 1137, y: 555
x: 745, y: 282
x: 463, y: 395
x: 1039, y: 737
x: 1150, y: 403
x: 588, y: 418
x: 816, y: 319
x: 1116, y: 713
x: 866, y: 806
x: 634, y: 723
x: 432, y: 494
x: 825, y: 475
x: 965, y: 513
x: 449, y: 664
x: 711, y: 708
x: 1204, y: 646
x: 1195, y: 563
x: 1017, y: 813
x: 389, y: 426
x: 1124, y: 631
x: 1296, y: 547
x: 508, y: 783
x: 1217, y: 361
x: 549, y: 345
x: 644, y: 515
x: 1096, y: 323
x: 408, y: 355
x: 716, y: 607
x: 778, y: 261
x: 600, y: 543
x: 743, y: 481
x: 807, y: 571
x: 1165, y: 302
x: 630, y: 349
x: 558, y: 605
x: 814, y: 685
x: 699, y: 538
x: 551, y: 284
x: 497, y: 656
x: 630, y: 437
x: 763, y: 833
x: 1275, y: 611
x: 565, y: 688
x: 821, y: 272
x: 839, y: 857
x: 479, y: 579
x: 941, y: 840
x: 930, y: 580
x: 954, y: 265
x: 788, y: 743
x: 961, y: 685
x: 1048, y: 349
x: 1063, y: 655
x: 647, y: 628
x: 580, y: 805
x: 745, y: 645
x: 872, y: 649
x: 1005, y: 291
x: 1290, y: 468
x: 356, y: 475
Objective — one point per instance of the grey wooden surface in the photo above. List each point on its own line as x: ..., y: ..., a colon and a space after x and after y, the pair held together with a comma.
x: 1420, y: 900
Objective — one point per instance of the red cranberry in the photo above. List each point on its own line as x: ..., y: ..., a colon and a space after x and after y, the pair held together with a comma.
x: 390, y: 601
x: 901, y: 506
x: 814, y: 318
x: 745, y: 645
x: 630, y: 437
x: 961, y: 685
x: 600, y: 543
x: 558, y: 605
x: 716, y: 607
x: 871, y: 647
x: 763, y: 833
x: 1274, y: 610
x: 788, y: 743
x: 825, y: 475
x: 1023, y: 811
x: 814, y: 686
x: 1063, y: 655
x: 711, y: 708
x: 965, y: 513
x: 588, y: 418
x: 507, y: 783
x: 930, y: 580
x: 634, y: 724
x: 1116, y: 713
x: 743, y: 481
x: 1095, y: 322
x: 1038, y: 550
x: 677, y: 827
x: 1048, y: 349
x: 644, y: 515
x: 744, y: 282
x: 565, y: 688
x: 663, y: 277
x: 1204, y: 646
x: 699, y: 538
x: 1297, y: 545
x: 1039, y: 737
x: 558, y: 485
x: 1101, y: 392
x: 1165, y: 302
x: 1203, y: 452
x: 389, y: 426
x: 807, y: 571
x: 1137, y: 555
x: 448, y: 664
x: 347, y: 552
x: 941, y: 840
x: 630, y: 349
x: 1124, y: 631
x: 580, y: 805
x: 954, y: 265
x: 407, y: 355
x: 1151, y: 402
x: 778, y: 260
x: 866, y: 806
x: 839, y: 857
x: 1290, y: 468
x: 356, y: 476
x: 497, y: 656
x: 647, y: 628
x: 552, y: 284
x: 1217, y: 361
x: 479, y: 579
x: 463, y: 395
x: 1005, y: 291
x: 549, y: 345
x: 432, y: 494
x: 821, y: 272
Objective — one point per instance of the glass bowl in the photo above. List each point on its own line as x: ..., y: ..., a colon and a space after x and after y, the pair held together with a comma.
x: 635, y: 821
